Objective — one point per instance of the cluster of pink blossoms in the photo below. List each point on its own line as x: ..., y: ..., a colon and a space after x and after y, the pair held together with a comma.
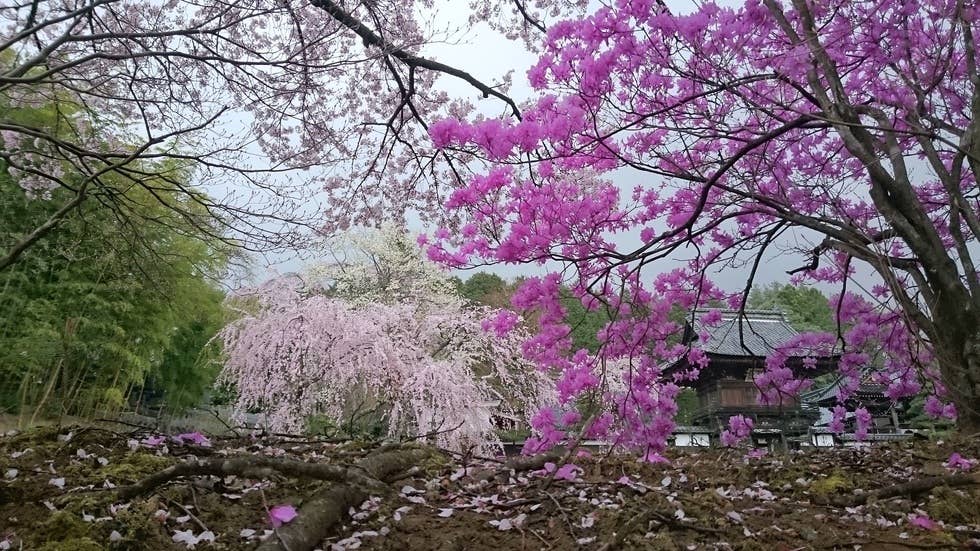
x: 739, y: 428
x: 714, y: 116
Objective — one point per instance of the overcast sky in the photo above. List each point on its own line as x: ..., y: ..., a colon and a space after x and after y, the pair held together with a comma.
x: 488, y: 56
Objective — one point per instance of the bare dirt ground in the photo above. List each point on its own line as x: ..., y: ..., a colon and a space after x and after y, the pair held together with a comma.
x: 72, y: 488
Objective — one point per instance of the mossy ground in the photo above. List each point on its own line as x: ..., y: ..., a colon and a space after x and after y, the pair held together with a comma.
x: 701, y: 500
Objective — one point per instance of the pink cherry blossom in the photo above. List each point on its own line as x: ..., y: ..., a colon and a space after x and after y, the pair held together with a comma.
x: 404, y: 339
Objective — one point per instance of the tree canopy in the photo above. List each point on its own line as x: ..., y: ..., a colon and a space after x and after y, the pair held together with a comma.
x: 380, y: 329
x: 849, y: 128
x: 806, y: 307
x: 845, y: 132
x: 103, y: 307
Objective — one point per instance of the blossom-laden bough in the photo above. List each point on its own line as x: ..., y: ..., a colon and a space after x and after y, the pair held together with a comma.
x: 844, y: 132
x: 266, y: 103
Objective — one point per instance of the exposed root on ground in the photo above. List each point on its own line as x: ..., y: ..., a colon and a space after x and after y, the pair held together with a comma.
x: 910, y: 489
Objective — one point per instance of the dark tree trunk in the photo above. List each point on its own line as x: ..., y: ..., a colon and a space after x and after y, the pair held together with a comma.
x: 965, y: 385
x: 957, y: 350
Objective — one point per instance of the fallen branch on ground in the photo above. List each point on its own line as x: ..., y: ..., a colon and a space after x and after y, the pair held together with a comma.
x: 519, y: 464
x: 912, y: 488
x: 329, y: 506
x: 352, y: 484
x: 249, y: 466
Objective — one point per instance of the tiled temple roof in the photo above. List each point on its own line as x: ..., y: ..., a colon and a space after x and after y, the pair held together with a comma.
x: 749, y: 333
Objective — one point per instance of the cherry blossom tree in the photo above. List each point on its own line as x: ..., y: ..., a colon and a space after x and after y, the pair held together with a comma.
x: 278, y: 106
x: 383, y: 265
x: 430, y: 361
x: 846, y: 131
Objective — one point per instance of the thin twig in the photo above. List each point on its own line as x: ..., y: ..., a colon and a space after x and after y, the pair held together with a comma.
x: 177, y: 504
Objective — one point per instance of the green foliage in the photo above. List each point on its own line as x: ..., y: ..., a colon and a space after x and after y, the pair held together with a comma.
x: 485, y: 288
x: 583, y: 323
x: 118, y: 294
x: 687, y: 405
x: 492, y: 290
x: 916, y: 417
x: 513, y: 435
x: 806, y: 308
x: 191, y: 363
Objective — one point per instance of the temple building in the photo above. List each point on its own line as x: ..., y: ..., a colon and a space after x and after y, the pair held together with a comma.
x: 736, y: 350
x: 885, y: 424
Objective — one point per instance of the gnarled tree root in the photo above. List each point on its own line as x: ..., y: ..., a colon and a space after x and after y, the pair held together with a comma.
x: 317, y: 518
x: 519, y: 464
x: 328, y: 507
x: 913, y: 488
x: 351, y: 486
x: 250, y: 466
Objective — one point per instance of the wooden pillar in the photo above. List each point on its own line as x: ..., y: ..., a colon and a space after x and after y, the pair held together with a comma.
x: 894, y: 415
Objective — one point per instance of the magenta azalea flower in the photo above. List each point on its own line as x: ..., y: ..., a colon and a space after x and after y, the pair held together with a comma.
x: 194, y: 438
x: 960, y: 463
x: 282, y: 514
x: 924, y: 522
x: 153, y: 441
x: 567, y: 472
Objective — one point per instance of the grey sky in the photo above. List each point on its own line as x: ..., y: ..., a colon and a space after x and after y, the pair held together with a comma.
x: 489, y: 56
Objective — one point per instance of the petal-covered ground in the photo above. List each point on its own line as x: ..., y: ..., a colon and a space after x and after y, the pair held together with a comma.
x: 61, y: 489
